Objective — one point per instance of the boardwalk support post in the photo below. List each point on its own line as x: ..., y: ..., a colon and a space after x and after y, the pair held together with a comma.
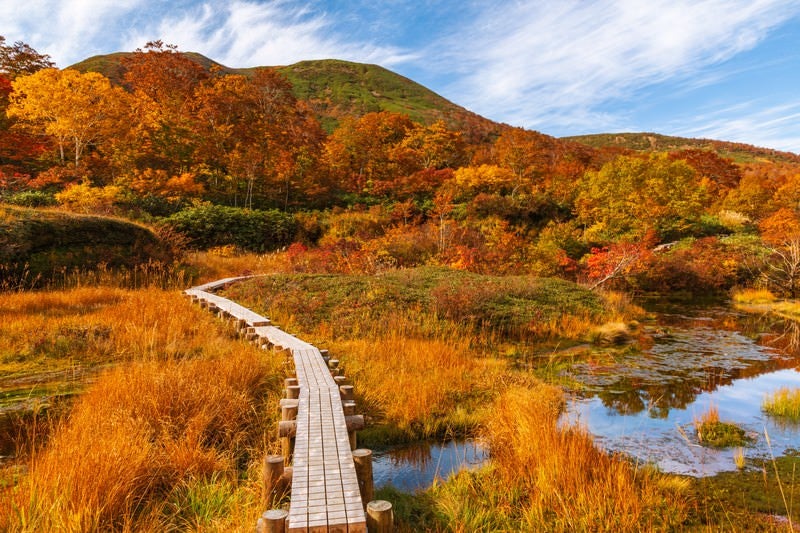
x: 363, y: 461
x: 275, y: 482
x: 380, y: 518
x: 316, y: 421
x: 272, y: 521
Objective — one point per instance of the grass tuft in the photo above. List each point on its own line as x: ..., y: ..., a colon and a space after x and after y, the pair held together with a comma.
x: 717, y: 434
x: 784, y: 402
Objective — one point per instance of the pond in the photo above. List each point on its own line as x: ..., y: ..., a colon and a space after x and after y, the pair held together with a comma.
x: 644, y: 402
x: 416, y: 466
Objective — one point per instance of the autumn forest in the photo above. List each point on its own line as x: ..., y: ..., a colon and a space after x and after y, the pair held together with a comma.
x: 175, y: 142
x: 468, y: 274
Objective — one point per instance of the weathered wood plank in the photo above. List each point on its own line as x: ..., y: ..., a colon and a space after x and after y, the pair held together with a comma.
x: 237, y: 311
x: 325, y: 493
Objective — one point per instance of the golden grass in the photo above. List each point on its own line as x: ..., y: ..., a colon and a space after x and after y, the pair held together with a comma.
x: 739, y: 458
x: 543, y: 478
x: 210, y: 266
x: 183, y: 403
x: 784, y: 402
x: 419, y: 384
x: 90, y: 325
x: 753, y: 296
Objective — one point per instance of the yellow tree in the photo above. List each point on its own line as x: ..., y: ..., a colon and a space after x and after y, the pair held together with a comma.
x: 630, y: 196
x: 432, y: 146
x: 362, y: 152
x: 77, y: 110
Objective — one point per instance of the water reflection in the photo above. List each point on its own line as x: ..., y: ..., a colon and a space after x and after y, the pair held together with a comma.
x: 644, y: 402
x: 685, y: 355
x: 670, y: 442
x: 416, y: 466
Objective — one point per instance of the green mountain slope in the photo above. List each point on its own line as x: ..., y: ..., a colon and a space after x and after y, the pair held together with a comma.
x: 335, y: 89
x: 654, y: 142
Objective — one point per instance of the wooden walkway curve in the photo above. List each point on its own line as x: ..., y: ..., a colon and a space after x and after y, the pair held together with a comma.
x: 325, y: 494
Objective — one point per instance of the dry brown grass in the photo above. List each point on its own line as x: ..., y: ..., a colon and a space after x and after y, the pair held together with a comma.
x: 421, y: 385
x: 184, y: 402
x: 217, y: 264
x: 545, y: 478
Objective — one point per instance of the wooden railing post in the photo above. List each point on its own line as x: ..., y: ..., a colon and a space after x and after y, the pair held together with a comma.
x: 273, y: 472
x: 272, y: 521
x: 380, y: 518
x: 363, y: 461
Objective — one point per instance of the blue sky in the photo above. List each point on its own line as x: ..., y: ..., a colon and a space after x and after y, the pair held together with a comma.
x: 722, y: 69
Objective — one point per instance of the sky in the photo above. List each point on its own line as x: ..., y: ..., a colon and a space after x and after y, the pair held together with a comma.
x: 719, y: 69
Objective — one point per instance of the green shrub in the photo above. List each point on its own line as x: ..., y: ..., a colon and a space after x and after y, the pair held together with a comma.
x: 215, y: 225
x: 31, y: 199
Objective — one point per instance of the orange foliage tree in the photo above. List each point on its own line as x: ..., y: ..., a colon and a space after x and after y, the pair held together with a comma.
x: 75, y: 109
x: 19, y: 59
x: 361, y: 152
x: 162, y: 82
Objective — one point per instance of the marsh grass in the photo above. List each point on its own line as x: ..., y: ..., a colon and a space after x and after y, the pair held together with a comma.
x: 784, y: 403
x: 211, y: 265
x: 739, y: 458
x: 711, y: 431
x: 423, y: 387
x: 179, y: 415
x: 170, y: 436
x: 546, y: 478
x: 753, y: 296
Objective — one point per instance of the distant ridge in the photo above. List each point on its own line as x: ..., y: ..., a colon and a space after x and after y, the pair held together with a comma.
x: 335, y: 89
x: 654, y: 142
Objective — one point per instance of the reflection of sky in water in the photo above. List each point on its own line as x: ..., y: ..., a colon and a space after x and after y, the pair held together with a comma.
x: 644, y: 404
x: 659, y: 440
x: 413, y: 467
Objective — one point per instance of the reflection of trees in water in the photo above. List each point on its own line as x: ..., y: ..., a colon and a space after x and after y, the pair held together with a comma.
x: 662, y: 391
x: 418, y: 455
x: 629, y: 397
x: 776, y: 332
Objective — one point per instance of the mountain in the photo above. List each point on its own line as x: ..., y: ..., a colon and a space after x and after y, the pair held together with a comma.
x: 654, y: 142
x: 335, y: 89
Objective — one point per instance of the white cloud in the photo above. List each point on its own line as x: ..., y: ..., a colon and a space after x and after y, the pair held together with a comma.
x: 776, y: 126
x: 248, y: 33
x: 560, y: 60
x: 66, y: 30
x: 241, y: 33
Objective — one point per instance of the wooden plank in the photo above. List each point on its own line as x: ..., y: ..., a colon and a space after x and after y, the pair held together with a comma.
x: 214, y: 285
x: 325, y: 494
x: 237, y: 311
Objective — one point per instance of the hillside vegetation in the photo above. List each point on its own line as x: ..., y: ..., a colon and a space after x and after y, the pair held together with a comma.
x: 649, y: 142
x: 38, y: 245
x: 335, y: 89
x: 354, y: 169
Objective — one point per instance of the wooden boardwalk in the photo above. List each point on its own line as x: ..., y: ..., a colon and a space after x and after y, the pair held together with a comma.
x: 325, y: 495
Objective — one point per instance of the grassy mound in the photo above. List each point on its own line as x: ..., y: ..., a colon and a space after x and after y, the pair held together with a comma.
x: 511, y: 306
x: 41, y: 244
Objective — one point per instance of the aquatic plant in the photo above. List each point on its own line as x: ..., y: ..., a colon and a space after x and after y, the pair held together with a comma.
x: 784, y: 402
x: 711, y: 431
x: 738, y: 458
